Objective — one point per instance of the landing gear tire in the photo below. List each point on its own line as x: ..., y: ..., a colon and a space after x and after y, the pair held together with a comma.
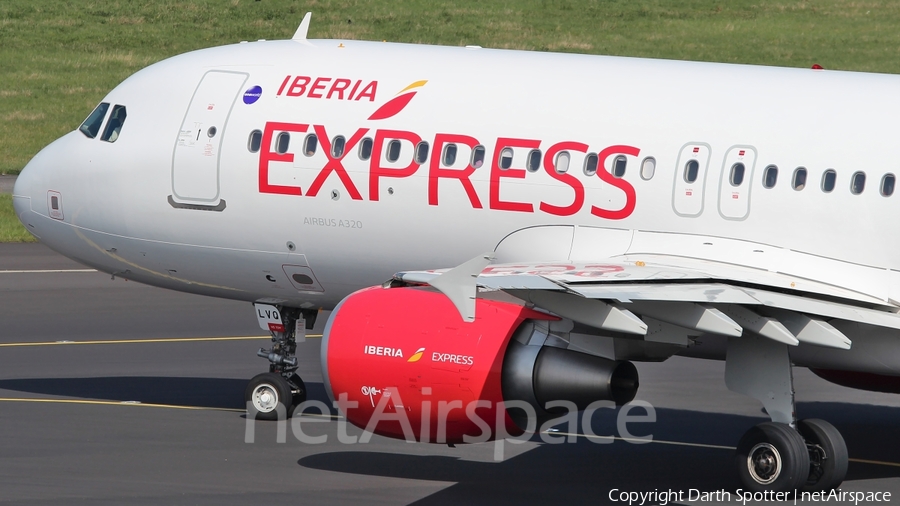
x: 772, y: 457
x: 268, y: 397
x: 828, y: 457
x: 299, y: 390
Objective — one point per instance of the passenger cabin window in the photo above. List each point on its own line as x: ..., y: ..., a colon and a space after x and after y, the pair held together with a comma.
x: 94, y: 121
x: 478, y: 156
x: 393, y: 151
x: 590, y: 164
x: 365, y: 148
x: 619, y: 165
x: 887, y: 185
x: 506, y: 156
x: 770, y: 176
x: 421, y: 152
x: 858, y: 183
x: 282, y: 142
x: 310, y: 144
x: 337, y: 146
x: 534, y: 160
x: 691, y: 171
x: 255, y: 141
x: 449, y: 157
x: 117, y: 119
x: 799, y: 181
x: 737, y: 174
x: 562, y: 162
x: 828, y: 180
x: 648, y: 168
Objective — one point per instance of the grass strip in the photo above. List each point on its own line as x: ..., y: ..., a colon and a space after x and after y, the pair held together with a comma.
x: 59, y: 58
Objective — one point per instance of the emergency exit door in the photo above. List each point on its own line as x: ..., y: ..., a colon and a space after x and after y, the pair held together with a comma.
x: 735, y: 182
x: 195, y: 160
x: 688, y: 191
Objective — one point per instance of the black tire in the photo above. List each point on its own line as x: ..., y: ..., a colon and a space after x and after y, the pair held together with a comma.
x: 268, y: 397
x: 772, y: 457
x: 828, y: 458
x: 299, y: 390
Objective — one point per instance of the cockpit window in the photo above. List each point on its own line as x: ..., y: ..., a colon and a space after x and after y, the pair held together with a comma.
x: 91, y: 125
x: 114, y: 125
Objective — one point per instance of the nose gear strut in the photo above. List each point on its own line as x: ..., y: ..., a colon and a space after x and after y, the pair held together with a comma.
x: 272, y: 395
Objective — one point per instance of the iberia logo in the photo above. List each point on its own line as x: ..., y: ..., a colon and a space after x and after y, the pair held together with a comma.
x: 394, y: 106
x: 418, y: 354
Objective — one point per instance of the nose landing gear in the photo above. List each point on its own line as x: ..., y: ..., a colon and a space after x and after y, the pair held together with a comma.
x: 273, y: 395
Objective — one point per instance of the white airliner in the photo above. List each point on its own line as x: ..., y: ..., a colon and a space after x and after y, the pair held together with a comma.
x: 578, y: 212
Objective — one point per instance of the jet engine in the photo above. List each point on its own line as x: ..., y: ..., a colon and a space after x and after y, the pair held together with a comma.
x: 401, y: 362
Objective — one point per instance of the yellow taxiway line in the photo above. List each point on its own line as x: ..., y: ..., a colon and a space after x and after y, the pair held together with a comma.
x: 696, y: 445
x: 640, y: 441
x: 116, y: 403
x: 875, y: 462
x: 143, y: 341
x: 143, y: 404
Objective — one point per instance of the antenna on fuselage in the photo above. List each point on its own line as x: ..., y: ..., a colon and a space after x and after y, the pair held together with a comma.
x: 300, y: 34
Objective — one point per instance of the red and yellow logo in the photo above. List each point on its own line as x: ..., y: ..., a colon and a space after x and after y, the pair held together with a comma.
x: 396, y: 104
x: 417, y: 355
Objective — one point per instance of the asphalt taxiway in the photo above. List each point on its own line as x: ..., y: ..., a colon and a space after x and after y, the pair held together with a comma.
x: 113, y: 392
x: 6, y: 183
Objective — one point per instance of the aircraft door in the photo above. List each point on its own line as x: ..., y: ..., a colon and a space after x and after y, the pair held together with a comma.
x: 195, y: 159
x: 735, y: 182
x: 690, y: 179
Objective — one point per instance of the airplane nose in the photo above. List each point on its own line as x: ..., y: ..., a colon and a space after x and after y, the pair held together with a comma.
x: 23, y: 193
x: 33, y: 183
x: 23, y: 183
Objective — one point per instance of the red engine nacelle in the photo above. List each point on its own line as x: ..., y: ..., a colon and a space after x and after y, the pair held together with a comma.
x: 402, y: 363
x: 409, y: 362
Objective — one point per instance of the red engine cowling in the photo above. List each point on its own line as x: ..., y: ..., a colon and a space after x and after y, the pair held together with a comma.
x: 402, y: 363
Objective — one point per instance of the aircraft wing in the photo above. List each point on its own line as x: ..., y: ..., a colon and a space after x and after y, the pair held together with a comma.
x: 622, y: 294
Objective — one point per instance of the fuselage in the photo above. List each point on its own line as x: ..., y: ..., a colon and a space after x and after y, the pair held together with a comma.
x: 305, y: 227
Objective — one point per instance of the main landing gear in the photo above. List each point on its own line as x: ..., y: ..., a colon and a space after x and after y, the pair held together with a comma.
x: 785, y: 454
x: 273, y: 395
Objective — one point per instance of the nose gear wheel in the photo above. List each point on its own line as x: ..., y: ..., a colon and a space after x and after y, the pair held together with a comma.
x: 268, y: 397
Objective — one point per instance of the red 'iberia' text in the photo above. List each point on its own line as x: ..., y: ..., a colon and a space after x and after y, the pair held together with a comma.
x: 330, y: 88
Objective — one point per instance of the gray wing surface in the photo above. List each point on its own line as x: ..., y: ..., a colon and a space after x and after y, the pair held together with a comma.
x: 624, y: 294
